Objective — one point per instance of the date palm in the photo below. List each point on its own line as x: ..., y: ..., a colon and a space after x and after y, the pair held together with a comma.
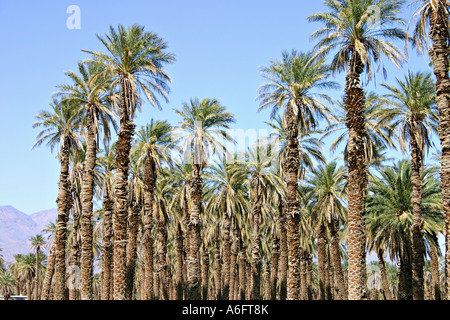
x: 390, y: 216
x: 135, y: 60
x: 432, y: 25
x: 228, y: 197
x: 293, y: 87
x: 151, y: 150
x: 328, y: 208
x: 90, y: 92
x: 361, y: 39
x: 61, y: 126
x: 413, y: 111
x: 203, y: 124
x: 7, y: 283
x: 36, y: 242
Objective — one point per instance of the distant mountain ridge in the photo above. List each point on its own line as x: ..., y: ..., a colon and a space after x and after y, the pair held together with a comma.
x: 17, y: 227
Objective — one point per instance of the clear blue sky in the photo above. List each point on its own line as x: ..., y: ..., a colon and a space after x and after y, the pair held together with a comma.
x: 219, y: 46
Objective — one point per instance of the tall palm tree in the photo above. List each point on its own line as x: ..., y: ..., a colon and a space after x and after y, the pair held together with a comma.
x: 60, y: 126
x: 290, y: 87
x: 228, y: 197
x: 151, y: 150
x: 36, y: 242
x: 257, y: 163
x: 90, y: 92
x: 433, y: 24
x: 135, y: 59
x: 390, y: 216
x: 107, y: 166
x: 327, y: 185
x: 413, y: 112
x: 7, y: 283
x: 360, y: 40
x: 203, y: 124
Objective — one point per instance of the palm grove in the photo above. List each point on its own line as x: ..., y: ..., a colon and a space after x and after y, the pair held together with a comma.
x: 278, y: 221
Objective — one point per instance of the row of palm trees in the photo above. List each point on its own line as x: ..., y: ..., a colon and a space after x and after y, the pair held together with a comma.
x: 233, y: 217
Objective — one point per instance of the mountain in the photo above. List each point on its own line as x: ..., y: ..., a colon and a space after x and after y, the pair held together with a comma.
x: 17, y: 227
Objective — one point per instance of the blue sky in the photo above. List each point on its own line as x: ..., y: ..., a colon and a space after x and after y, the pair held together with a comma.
x: 219, y: 46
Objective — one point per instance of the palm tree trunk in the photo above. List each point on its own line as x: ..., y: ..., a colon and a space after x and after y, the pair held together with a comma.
x: 131, y: 250
x: 291, y: 167
x: 404, y: 279
x: 267, y: 288
x: 274, y: 265
x: 233, y: 260
x: 205, y: 271
x: 123, y: 146
x: 87, y: 188
x: 283, y: 251
x: 321, y: 260
x: 217, y: 266
x: 354, y: 102
x: 47, y: 283
x: 384, y: 279
x: 179, y: 271
x: 309, y: 276
x: 256, y: 243
x: 61, y: 224
x: 162, y: 255
x: 226, y: 253
x: 439, y: 56
x: 303, y: 275
x: 147, y: 239
x: 107, y: 250
x: 418, y: 245
x: 436, y: 291
x: 75, y: 252
x: 36, y: 288
x: 242, y: 274
x: 335, y: 255
x: 196, y: 183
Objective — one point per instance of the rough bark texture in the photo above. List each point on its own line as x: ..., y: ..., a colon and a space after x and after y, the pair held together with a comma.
x: 405, y: 278
x: 291, y: 168
x: 107, y: 248
x: 418, y: 245
x: 205, y: 272
x: 134, y: 214
x: 283, y: 269
x: 303, y: 276
x: 321, y: 260
x: 242, y: 274
x: 179, y: 271
x: 226, y: 267
x: 196, y: 183
x: 46, y: 284
x: 355, y: 122
x: 87, y: 189
x: 217, y: 267
x: 126, y: 132
x: 336, y: 257
x: 233, y: 260
x: 75, y: 252
x: 256, y: 241
x: 439, y: 56
x: 274, y: 265
x: 436, y: 290
x: 384, y: 279
x: 61, y: 225
x: 162, y: 256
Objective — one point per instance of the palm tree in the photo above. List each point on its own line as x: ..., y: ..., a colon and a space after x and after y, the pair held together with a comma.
x: 328, y: 208
x: 390, y: 216
x: 414, y: 113
x: 204, y: 123
x: 228, y: 197
x: 107, y: 166
x: 90, y: 92
x: 7, y: 283
x: 135, y: 60
x: 151, y: 150
x: 432, y: 24
x: 350, y: 27
x: 60, y: 126
x: 36, y: 243
x: 290, y: 87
